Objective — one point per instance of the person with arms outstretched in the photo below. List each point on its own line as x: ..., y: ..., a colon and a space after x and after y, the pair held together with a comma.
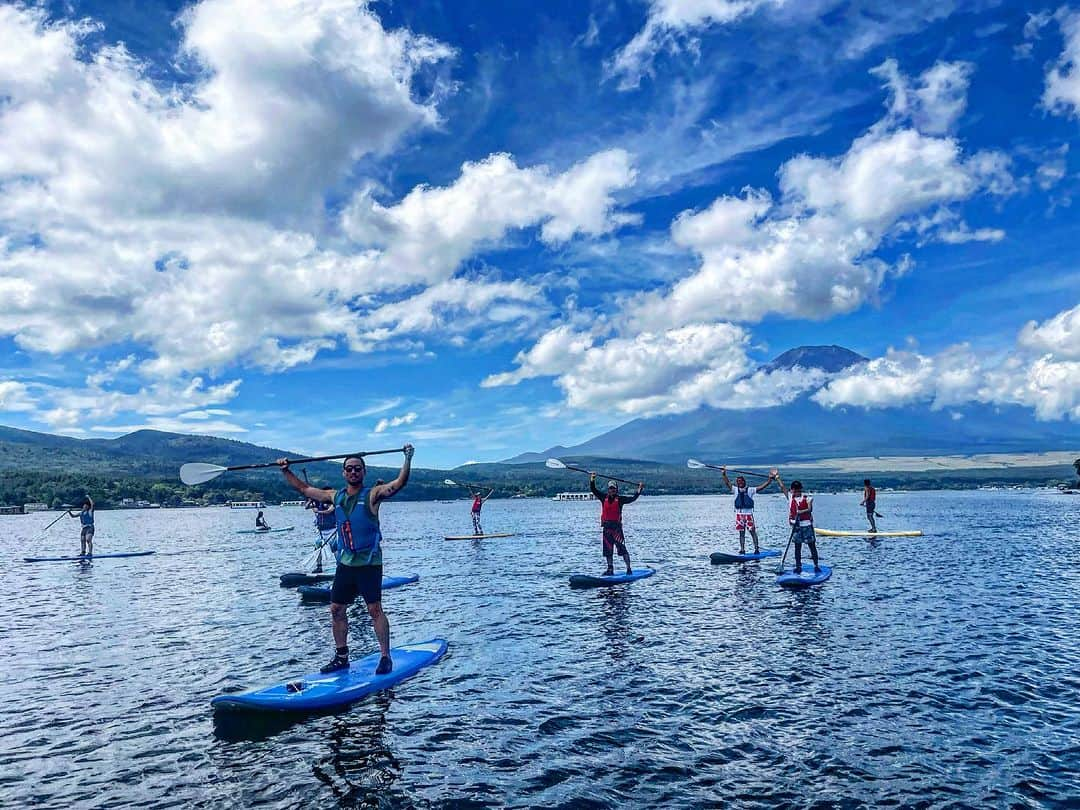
x: 801, y: 518
x: 360, y: 559
x: 611, y: 505
x: 869, y: 500
x: 86, y: 520
x: 744, y: 507
x: 477, y: 505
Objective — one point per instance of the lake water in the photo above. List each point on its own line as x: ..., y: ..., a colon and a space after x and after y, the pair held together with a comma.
x: 935, y: 671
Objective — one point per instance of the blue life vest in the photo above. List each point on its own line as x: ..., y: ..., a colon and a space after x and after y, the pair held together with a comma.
x: 743, y: 499
x: 86, y: 518
x: 358, y: 531
x: 325, y: 521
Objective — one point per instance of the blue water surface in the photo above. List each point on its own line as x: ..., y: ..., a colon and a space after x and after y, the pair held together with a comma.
x: 941, y: 670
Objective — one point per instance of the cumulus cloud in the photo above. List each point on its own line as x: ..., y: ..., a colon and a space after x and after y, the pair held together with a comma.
x: 556, y: 352
x: 15, y: 397
x: 935, y: 101
x: 1043, y: 374
x: 389, y: 422
x: 667, y: 27
x: 810, y: 253
x: 190, y: 220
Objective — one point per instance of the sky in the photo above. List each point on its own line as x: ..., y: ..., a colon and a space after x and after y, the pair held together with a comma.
x: 489, y: 228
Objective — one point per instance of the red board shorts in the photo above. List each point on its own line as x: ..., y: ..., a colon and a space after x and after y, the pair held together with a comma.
x: 613, y: 538
x: 744, y: 522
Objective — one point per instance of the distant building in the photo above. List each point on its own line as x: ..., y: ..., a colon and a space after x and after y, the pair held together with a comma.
x: 36, y: 507
x: 11, y: 510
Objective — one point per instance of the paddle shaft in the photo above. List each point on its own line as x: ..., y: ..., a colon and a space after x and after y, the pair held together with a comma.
x: 292, y: 461
x: 609, y: 477
x: 732, y: 469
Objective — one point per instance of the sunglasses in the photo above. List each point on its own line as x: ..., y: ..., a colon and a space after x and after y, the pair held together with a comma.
x: 355, y: 468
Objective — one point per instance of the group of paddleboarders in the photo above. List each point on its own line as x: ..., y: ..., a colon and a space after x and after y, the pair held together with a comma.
x: 360, y: 560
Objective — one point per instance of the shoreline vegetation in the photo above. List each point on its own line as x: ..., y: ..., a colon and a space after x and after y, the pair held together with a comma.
x: 56, y: 488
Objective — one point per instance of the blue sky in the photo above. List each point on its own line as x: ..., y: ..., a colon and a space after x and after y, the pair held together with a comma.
x: 489, y: 228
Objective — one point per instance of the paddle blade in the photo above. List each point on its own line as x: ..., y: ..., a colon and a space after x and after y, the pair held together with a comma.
x: 450, y: 483
x: 694, y: 464
x: 554, y: 464
x: 198, y: 473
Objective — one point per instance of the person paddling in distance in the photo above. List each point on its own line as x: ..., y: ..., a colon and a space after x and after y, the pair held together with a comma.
x: 86, y: 520
x: 611, y: 521
x: 869, y: 500
x: 360, y: 560
x: 744, y: 507
x: 477, y: 505
x: 260, y: 523
x: 801, y: 518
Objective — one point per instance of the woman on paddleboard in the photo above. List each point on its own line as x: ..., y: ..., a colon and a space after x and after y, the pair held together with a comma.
x: 260, y: 523
x: 801, y: 518
x: 477, y: 505
x: 611, y: 521
x: 744, y: 507
x: 86, y: 520
x: 869, y: 500
x: 360, y: 561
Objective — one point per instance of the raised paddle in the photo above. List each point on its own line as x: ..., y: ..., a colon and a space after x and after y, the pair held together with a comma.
x: 197, y: 472
x: 694, y: 464
x: 470, y: 487
x: 41, y: 534
x: 555, y: 464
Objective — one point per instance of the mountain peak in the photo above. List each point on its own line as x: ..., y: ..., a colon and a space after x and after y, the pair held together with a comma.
x: 827, y: 358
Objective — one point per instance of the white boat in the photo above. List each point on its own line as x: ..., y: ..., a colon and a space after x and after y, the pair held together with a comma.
x: 573, y: 496
x: 291, y: 503
x: 247, y: 504
x: 35, y: 507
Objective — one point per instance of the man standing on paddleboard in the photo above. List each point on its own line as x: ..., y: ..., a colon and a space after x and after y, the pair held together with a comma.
x: 744, y: 507
x: 611, y: 521
x: 360, y: 562
x: 801, y: 518
x: 86, y: 519
x: 869, y: 500
x: 477, y: 505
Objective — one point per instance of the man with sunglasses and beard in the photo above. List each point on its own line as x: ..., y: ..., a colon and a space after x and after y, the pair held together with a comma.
x: 360, y: 564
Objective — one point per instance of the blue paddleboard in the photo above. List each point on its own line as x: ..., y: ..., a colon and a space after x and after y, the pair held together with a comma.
x: 718, y: 557
x: 292, y: 580
x: 789, y: 579
x: 315, y: 593
x: 265, y: 531
x: 89, y: 557
x: 587, y: 581
x: 318, y: 691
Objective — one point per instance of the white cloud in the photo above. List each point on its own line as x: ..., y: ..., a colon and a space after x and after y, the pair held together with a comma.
x: 15, y: 397
x: 666, y: 28
x: 1060, y: 335
x: 394, y: 421
x: 933, y: 103
x: 556, y: 352
x: 1061, y: 94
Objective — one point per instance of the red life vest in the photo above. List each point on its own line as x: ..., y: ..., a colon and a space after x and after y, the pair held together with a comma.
x: 477, y: 503
x: 611, y: 509
x: 801, y: 509
x: 871, y: 495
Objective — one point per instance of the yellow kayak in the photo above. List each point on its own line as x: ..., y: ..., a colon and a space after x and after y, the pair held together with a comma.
x: 834, y: 533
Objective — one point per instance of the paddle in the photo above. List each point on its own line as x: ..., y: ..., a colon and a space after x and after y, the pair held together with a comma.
x: 470, y: 487
x: 555, y: 464
x: 41, y: 534
x: 196, y: 472
x: 694, y: 464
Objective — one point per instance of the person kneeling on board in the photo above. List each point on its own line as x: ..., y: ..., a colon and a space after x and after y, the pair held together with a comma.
x: 477, y: 505
x: 260, y: 523
x: 801, y: 518
x: 611, y: 521
x: 360, y: 562
x: 744, y: 507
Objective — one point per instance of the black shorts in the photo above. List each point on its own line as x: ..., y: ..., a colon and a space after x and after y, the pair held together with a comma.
x: 353, y: 580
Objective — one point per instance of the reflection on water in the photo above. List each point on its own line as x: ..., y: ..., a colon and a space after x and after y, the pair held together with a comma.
x: 912, y: 677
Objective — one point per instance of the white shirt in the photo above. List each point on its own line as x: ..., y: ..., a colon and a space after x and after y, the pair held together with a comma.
x: 751, y: 491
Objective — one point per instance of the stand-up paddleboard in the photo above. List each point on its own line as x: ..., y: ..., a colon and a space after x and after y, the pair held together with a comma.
x: 587, y: 581
x: 90, y: 557
x: 475, y: 536
x: 265, y: 531
x: 317, y: 593
x: 718, y: 557
x: 318, y: 691
x: 833, y: 533
x: 294, y: 579
x: 789, y: 579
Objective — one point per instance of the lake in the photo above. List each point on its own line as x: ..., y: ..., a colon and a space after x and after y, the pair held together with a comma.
x: 941, y: 670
